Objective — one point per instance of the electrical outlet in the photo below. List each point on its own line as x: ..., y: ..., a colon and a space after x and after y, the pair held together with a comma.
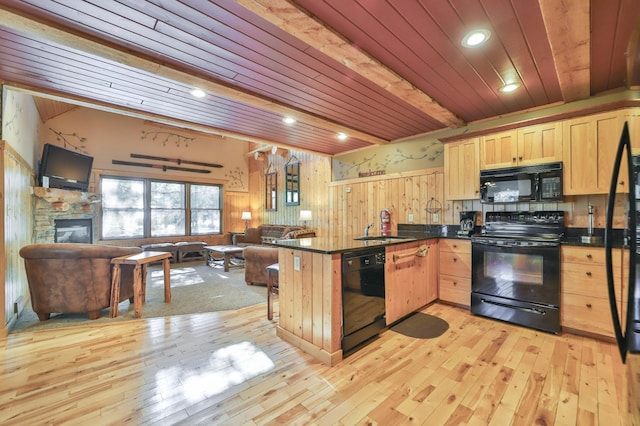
x: 436, y: 217
x: 296, y: 263
x: 347, y: 189
x: 410, y: 217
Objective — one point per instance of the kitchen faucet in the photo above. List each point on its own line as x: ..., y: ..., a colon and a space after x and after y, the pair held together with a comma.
x: 366, y: 230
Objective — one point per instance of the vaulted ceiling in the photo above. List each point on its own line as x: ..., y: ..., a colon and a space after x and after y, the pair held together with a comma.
x: 378, y: 71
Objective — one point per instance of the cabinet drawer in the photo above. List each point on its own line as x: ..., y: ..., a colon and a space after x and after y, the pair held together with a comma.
x: 589, y: 255
x: 588, y: 280
x: 455, y: 290
x: 590, y: 314
x: 455, y: 246
x: 455, y: 264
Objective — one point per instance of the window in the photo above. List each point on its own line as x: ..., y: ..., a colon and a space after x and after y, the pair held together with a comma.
x: 139, y: 208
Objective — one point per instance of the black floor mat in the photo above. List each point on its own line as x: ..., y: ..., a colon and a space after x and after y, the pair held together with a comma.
x: 421, y: 326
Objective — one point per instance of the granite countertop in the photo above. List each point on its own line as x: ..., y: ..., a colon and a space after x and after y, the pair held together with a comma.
x: 410, y: 233
x: 348, y: 243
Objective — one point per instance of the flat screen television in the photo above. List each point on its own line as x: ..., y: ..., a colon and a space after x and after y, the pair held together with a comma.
x: 65, y: 169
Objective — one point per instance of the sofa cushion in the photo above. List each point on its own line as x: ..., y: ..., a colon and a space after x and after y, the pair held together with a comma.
x: 299, y: 233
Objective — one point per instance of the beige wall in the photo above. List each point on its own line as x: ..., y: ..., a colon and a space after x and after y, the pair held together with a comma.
x: 20, y: 130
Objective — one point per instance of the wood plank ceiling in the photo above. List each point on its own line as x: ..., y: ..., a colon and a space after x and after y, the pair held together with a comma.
x: 379, y: 71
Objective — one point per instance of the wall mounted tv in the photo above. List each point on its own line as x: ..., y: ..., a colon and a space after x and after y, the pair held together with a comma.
x: 65, y: 169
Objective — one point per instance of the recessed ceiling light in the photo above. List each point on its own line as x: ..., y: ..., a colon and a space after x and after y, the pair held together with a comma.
x: 198, y: 93
x: 509, y: 87
x: 475, y: 38
x: 288, y: 120
x: 342, y: 136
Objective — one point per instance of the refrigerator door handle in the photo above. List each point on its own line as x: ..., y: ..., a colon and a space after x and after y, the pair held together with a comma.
x: 625, y: 143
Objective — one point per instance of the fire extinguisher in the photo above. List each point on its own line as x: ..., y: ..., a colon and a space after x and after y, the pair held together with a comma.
x: 385, y: 222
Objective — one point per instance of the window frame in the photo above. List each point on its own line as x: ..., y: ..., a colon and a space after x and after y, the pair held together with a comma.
x: 146, y: 209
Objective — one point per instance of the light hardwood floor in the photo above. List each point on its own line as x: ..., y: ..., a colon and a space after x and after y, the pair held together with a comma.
x: 230, y: 368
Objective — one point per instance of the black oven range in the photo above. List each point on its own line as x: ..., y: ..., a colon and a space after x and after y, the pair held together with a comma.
x: 516, y: 268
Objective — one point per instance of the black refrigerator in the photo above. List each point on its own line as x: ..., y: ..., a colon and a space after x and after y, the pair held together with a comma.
x: 625, y: 307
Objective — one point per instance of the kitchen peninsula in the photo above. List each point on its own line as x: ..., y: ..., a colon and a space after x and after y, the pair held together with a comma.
x: 310, y: 286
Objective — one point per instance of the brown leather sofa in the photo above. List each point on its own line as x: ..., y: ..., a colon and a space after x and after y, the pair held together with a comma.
x: 73, y: 278
x: 257, y: 257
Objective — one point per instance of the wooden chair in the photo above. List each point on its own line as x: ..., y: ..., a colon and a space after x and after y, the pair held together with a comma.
x: 272, y: 287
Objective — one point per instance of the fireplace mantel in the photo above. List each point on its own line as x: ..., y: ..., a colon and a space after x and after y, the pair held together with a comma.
x: 61, y: 198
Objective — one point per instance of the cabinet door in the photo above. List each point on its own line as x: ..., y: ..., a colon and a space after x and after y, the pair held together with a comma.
x: 462, y: 170
x: 589, y: 149
x: 539, y: 144
x: 498, y: 150
x: 410, y: 281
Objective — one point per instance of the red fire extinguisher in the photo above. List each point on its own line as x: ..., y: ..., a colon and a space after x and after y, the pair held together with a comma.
x: 385, y: 222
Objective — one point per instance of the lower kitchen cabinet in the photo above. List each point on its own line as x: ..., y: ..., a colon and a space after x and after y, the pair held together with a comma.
x: 455, y: 272
x: 410, y: 279
x: 584, y: 295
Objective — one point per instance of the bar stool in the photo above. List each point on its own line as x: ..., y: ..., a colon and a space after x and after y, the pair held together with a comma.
x: 272, y: 287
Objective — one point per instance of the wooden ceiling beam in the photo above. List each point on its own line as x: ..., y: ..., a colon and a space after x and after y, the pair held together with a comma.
x: 23, y: 24
x: 298, y: 23
x: 568, y: 24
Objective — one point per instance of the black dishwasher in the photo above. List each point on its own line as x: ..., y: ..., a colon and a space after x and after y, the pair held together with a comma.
x: 363, y: 308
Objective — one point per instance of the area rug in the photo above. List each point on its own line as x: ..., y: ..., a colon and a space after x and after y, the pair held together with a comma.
x: 195, y: 288
x: 421, y: 326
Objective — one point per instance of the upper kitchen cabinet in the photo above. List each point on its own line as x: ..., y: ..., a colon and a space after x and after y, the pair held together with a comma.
x: 462, y: 168
x: 530, y: 145
x: 590, y: 145
x: 498, y: 150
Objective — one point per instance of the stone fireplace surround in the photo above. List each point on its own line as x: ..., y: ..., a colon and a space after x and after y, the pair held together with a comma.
x: 51, y: 204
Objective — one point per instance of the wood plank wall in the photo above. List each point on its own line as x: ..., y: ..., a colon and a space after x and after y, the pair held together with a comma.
x: 355, y: 203
x: 15, y: 231
x: 315, y: 177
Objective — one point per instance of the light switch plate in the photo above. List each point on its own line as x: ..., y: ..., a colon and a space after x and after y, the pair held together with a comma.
x: 296, y: 263
x: 410, y: 217
x: 436, y: 217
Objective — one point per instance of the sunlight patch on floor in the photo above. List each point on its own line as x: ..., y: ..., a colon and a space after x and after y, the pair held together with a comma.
x: 226, y: 367
x: 179, y: 277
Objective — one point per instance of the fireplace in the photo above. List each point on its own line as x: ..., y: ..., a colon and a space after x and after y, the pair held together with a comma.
x: 74, y: 231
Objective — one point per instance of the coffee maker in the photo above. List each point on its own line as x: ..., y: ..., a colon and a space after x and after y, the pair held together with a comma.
x: 467, y: 223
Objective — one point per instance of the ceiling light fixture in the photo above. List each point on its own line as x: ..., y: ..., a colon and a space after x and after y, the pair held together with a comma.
x: 475, y: 38
x: 288, y: 120
x: 342, y: 136
x: 509, y: 87
x: 198, y: 93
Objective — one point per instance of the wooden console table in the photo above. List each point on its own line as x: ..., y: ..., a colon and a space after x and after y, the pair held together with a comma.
x: 140, y: 260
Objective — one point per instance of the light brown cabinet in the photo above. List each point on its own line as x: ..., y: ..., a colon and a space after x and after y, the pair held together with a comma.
x: 584, y: 294
x: 462, y: 168
x: 590, y: 145
x: 529, y: 145
x: 498, y: 150
x: 455, y: 272
x: 411, y: 281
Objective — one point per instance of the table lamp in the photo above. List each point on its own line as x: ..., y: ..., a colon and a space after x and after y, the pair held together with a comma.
x: 305, y: 216
x: 246, y: 216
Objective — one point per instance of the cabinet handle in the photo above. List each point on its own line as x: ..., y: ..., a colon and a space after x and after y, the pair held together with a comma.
x: 588, y: 273
x: 455, y: 283
x: 455, y: 246
x: 519, y: 158
x: 621, y: 182
x: 513, y: 160
x: 589, y: 256
x: 455, y: 259
x: 589, y: 305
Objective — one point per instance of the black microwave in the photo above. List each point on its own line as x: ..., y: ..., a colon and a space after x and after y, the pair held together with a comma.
x: 530, y: 184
